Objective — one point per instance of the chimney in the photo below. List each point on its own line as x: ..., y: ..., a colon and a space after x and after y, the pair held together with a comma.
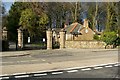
x: 85, y: 24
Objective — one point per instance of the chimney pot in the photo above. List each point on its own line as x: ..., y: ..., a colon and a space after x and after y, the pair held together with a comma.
x: 85, y: 24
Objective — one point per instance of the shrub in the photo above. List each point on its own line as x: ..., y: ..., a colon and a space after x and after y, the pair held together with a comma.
x: 109, y: 37
x: 96, y: 37
x: 117, y: 41
x: 56, y: 45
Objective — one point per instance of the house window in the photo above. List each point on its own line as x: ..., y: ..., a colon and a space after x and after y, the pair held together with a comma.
x: 86, y: 30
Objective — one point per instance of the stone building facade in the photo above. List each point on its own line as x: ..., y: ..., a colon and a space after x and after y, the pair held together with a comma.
x: 77, y: 31
x: 81, y: 36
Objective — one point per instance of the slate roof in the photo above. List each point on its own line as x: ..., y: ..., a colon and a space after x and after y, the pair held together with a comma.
x: 57, y: 30
x: 74, y: 28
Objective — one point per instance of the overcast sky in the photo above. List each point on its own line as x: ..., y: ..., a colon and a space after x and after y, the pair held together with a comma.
x: 63, y: 0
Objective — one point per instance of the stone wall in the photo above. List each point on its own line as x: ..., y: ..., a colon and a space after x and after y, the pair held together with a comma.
x: 85, y: 44
x: 85, y: 36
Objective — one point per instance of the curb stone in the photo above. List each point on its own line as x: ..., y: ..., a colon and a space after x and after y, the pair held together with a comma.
x: 15, y: 55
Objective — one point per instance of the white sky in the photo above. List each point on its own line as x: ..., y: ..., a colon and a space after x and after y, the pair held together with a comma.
x: 62, y: 0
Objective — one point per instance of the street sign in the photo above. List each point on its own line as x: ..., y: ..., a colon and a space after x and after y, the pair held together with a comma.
x: 28, y: 39
x: 43, y: 39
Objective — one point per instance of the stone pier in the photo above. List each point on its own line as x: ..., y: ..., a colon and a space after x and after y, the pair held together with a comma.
x: 4, y: 34
x: 49, y: 38
x: 20, y: 38
x: 5, y: 42
x: 62, y: 39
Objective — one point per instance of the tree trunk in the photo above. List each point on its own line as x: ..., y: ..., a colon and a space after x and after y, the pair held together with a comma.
x: 94, y: 17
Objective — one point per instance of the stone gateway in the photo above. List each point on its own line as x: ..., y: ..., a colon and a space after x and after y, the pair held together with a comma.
x: 75, y: 35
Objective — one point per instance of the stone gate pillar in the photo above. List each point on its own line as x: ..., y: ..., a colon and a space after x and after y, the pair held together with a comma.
x: 49, y: 38
x: 4, y: 34
x: 62, y: 39
x: 20, y: 38
x: 5, y: 42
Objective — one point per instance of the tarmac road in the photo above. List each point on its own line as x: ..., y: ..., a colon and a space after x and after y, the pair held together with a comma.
x: 44, y: 60
x: 107, y: 72
x: 111, y: 72
x: 58, y: 56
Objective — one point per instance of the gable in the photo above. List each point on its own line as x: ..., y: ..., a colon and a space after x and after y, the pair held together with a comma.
x: 73, y: 28
x: 86, y: 31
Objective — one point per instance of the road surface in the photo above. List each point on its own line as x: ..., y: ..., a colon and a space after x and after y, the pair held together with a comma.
x: 107, y: 71
x: 42, y: 60
x: 58, y: 56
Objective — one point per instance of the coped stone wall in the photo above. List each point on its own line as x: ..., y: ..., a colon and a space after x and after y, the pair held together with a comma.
x: 85, y: 44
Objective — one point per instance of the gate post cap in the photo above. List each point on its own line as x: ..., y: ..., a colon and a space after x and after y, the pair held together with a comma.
x: 20, y: 28
x: 4, y: 28
x: 62, y: 30
x: 49, y: 29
